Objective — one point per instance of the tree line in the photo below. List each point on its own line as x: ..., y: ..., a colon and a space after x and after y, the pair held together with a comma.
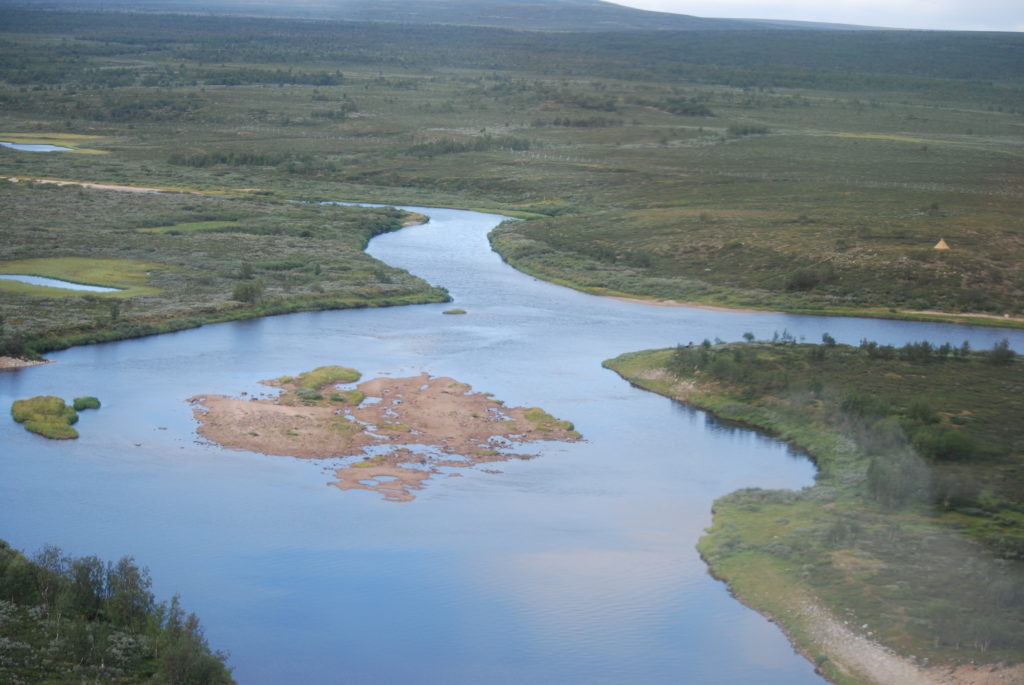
x: 84, y: 619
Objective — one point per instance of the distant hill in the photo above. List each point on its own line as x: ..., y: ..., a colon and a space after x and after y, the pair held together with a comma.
x: 544, y: 15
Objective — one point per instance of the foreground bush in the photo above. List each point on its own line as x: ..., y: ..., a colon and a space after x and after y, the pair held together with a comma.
x: 66, y: 619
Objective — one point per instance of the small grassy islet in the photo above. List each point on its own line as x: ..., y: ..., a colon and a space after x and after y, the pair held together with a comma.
x: 49, y: 416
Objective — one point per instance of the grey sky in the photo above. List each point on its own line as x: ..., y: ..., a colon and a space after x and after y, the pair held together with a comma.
x: 958, y: 15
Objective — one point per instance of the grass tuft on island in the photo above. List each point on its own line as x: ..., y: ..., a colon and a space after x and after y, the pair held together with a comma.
x: 919, y: 490
x: 327, y: 375
x: 50, y: 417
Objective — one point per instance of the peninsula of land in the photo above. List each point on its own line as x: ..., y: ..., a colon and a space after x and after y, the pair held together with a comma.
x: 918, y: 491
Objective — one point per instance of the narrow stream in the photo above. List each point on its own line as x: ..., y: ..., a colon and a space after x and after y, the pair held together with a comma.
x: 577, y: 567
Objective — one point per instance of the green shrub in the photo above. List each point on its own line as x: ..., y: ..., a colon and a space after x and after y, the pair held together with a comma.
x: 351, y: 397
x: 323, y: 375
x: 308, y: 395
x: 861, y: 405
x: 922, y: 412
x: 944, y: 443
x: 249, y: 292
x: 802, y: 279
x: 1001, y: 353
x: 81, y: 403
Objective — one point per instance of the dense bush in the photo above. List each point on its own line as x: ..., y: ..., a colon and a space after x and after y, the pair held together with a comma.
x: 946, y: 443
x: 70, y: 619
x: 81, y: 403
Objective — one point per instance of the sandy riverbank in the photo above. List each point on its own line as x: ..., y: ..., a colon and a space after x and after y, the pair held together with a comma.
x: 691, y: 305
x: 403, y: 430
x: 98, y: 186
x: 12, y: 363
x: 864, y: 660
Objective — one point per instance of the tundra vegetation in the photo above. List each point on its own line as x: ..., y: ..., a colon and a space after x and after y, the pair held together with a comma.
x: 71, y: 620
x: 182, y: 260
x: 920, y: 481
x: 799, y: 170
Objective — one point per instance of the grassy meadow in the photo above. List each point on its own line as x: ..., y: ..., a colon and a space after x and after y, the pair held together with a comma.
x: 918, y: 490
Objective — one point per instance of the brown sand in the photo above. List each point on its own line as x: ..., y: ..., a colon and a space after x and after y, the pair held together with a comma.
x: 12, y: 363
x: 691, y: 305
x: 412, y: 427
x: 98, y: 186
x: 863, y: 659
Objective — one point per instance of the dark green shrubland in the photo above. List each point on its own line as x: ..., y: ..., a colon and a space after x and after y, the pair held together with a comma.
x: 67, y: 619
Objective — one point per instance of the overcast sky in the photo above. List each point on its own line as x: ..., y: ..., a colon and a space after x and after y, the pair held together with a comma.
x: 954, y: 15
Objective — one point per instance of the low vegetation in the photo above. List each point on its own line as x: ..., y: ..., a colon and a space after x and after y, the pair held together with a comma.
x: 72, y: 620
x: 81, y: 403
x: 327, y: 375
x: 807, y: 171
x: 919, y: 486
x: 294, y: 257
x: 545, y: 422
x: 50, y: 417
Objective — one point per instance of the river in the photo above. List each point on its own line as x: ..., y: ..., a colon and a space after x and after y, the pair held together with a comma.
x: 575, y: 567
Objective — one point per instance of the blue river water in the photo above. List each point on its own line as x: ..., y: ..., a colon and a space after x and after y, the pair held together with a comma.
x: 577, y: 567
x: 57, y: 283
x: 35, y: 147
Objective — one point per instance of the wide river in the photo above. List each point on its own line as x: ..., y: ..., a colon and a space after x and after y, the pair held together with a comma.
x: 577, y: 567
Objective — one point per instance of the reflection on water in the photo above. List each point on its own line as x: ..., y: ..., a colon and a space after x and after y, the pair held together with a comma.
x: 574, y: 567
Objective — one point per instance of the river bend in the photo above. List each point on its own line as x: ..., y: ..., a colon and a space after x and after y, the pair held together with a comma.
x: 577, y: 567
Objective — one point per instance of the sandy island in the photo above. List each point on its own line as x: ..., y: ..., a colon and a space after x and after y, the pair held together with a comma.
x: 403, y: 430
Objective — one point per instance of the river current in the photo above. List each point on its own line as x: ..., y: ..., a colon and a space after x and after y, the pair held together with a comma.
x: 577, y: 567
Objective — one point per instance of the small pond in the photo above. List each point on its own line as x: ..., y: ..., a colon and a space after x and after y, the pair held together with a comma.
x: 55, y: 283
x: 35, y: 147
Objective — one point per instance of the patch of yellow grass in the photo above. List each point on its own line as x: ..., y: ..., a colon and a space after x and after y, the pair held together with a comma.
x: 128, y: 274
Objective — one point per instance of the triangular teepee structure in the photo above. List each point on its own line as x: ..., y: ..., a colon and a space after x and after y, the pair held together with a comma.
x: 941, y: 245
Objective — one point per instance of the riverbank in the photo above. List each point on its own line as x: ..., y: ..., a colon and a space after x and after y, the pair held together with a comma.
x: 561, y: 251
x: 857, y: 568
x: 13, y: 363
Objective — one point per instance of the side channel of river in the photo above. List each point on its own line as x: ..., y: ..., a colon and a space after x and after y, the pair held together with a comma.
x: 575, y: 567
